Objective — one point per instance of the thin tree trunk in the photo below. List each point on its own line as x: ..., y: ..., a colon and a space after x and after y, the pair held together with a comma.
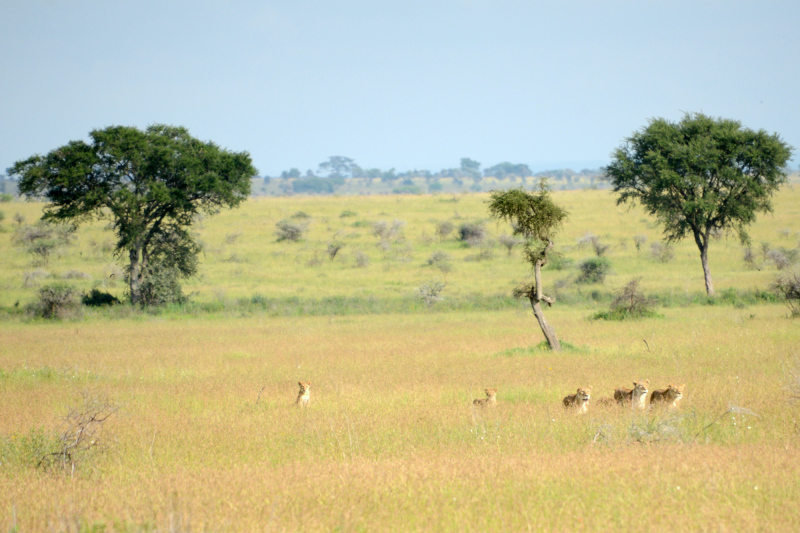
x: 702, y: 241
x: 707, y: 271
x: 547, y: 329
x: 135, y: 276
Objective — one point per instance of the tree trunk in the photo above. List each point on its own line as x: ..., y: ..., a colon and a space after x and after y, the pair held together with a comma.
x: 702, y: 240
x: 547, y: 329
x: 135, y: 276
x: 707, y: 271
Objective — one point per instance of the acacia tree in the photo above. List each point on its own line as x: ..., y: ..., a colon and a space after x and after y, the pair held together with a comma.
x: 535, y: 218
x: 700, y: 176
x: 150, y: 184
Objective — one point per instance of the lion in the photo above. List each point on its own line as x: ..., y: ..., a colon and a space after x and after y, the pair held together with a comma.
x: 579, y: 401
x: 671, y: 395
x: 305, y: 393
x: 636, y: 396
x: 491, y: 399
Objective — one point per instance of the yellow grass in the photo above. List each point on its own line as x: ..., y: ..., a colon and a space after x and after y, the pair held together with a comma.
x: 208, y: 436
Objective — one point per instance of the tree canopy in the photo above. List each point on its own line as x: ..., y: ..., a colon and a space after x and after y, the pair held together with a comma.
x: 700, y: 176
x: 150, y: 184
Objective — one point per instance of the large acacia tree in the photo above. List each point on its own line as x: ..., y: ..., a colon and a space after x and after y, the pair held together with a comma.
x: 150, y: 184
x: 700, y: 176
x: 536, y: 218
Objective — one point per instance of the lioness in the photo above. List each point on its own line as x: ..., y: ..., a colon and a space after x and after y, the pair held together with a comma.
x: 579, y: 400
x: 671, y: 395
x: 636, y: 396
x: 305, y: 393
x: 491, y: 398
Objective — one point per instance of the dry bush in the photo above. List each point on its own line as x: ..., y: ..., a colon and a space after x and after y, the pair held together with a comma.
x: 662, y: 252
x: 510, y: 242
x: 333, y: 248
x: 430, y: 292
x: 440, y: 260
x: 362, y: 259
x: 787, y: 287
x: 638, y: 241
x: 81, y: 435
x: 231, y: 238
x: 32, y: 278
x: 57, y: 300
x: 444, y: 229
x: 291, y: 231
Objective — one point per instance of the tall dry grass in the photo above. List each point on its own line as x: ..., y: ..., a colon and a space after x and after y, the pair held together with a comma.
x: 208, y: 438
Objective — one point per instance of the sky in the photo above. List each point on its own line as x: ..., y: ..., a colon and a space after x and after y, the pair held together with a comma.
x: 410, y: 84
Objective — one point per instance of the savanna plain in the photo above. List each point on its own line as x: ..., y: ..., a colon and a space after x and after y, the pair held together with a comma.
x: 196, y: 426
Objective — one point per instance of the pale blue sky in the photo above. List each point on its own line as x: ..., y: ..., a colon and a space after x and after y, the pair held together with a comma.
x: 404, y: 84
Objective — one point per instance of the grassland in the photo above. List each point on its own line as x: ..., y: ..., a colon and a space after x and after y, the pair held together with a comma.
x: 207, y: 438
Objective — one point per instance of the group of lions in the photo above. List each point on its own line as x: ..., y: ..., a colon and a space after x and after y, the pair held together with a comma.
x: 635, y: 397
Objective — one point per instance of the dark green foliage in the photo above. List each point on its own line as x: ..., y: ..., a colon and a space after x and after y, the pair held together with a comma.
x: 700, y: 177
x: 162, y: 285
x: 146, y: 182
x: 98, y: 298
x: 57, y: 301
x: 593, y: 270
x: 700, y: 173
x: 407, y: 189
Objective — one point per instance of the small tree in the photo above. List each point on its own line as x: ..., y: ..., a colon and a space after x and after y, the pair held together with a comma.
x: 700, y: 176
x: 535, y: 218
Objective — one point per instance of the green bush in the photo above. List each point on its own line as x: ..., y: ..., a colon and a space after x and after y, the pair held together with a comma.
x: 97, y: 298
x: 593, y: 270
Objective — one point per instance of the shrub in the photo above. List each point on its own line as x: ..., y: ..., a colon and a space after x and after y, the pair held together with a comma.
x: 472, y: 233
x: 6, y: 197
x: 440, y: 260
x: 629, y: 303
x: 31, y: 279
x: 162, y: 285
x: 333, y: 249
x: 443, y: 229
x: 593, y: 270
x: 662, y: 252
x: 230, y: 238
x: 347, y: 213
x: 97, y: 298
x: 290, y: 231
x: 362, y: 259
x: 509, y: 242
x: 57, y: 300
x: 430, y: 290
x: 787, y: 287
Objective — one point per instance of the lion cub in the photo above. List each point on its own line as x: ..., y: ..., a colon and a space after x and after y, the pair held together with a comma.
x: 579, y: 401
x: 636, y: 396
x: 305, y: 393
x: 491, y: 399
x: 671, y: 395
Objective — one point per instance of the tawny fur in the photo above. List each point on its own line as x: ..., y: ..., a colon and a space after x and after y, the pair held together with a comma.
x: 637, y: 396
x: 305, y: 393
x: 671, y: 395
x: 491, y: 399
x: 579, y: 400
